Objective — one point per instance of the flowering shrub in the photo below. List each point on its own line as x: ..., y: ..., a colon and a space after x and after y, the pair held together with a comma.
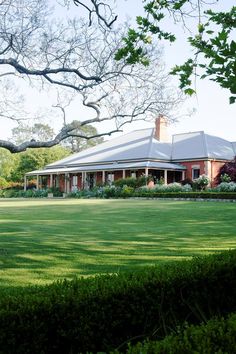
x: 225, y: 178
x: 226, y: 187
x: 187, y: 188
x: 174, y: 187
x: 201, y: 182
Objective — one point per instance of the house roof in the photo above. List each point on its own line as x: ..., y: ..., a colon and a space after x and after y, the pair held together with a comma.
x: 197, y: 145
x: 140, y: 149
x: 139, y: 144
x: 110, y: 167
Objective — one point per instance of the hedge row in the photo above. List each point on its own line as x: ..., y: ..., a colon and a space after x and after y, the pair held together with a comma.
x: 217, y: 336
x: 191, y: 195
x: 106, y: 312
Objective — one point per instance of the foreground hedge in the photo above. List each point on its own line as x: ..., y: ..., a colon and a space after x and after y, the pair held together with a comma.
x: 217, y: 336
x: 116, y: 192
x: 190, y: 195
x: 106, y: 312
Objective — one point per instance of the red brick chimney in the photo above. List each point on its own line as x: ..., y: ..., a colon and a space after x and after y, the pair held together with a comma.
x: 161, y: 132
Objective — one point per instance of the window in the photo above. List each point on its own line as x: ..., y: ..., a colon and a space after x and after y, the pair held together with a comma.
x: 75, y: 181
x: 133, y: 174
x: 195, y: 173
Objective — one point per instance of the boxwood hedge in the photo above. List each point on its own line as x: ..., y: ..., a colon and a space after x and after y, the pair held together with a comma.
x: 216, y: 336
x: 107, y: 312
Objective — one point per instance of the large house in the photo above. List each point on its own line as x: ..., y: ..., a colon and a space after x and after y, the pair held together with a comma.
x: 145, y: 151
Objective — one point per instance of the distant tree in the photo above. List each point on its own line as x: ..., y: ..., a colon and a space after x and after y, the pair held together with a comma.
x: 8, y: 163
x: 77, y: 144
x: 37, y: 132
x: 229, y: 168
x: 34, y: 159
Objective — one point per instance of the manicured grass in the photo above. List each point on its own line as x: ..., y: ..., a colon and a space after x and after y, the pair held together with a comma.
x: 45, y: 240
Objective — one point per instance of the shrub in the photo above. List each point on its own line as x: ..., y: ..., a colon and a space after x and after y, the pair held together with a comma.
x: 226, y: 187
x: 201, y: 182
x: 132, y: 182
x: 129, y: 181
x: 111, y: 191
x: 100, y: 313
x: 225, y: 178
x: 187, y: 188
x: 187, y: 181
x: 126, y: 192
x: 174, y: 187
x: 56, y: 191
x: 217, y: 336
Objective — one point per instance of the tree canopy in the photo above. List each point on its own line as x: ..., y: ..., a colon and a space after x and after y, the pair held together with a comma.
x: 212, y: 38
x: 73, y: 61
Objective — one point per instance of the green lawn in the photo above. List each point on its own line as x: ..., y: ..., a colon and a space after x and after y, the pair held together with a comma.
x: 44, y: 240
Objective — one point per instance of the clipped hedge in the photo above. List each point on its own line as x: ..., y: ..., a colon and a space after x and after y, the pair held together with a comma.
x: 106, y: 312
x: 217, y: 336
x: 190, y: 195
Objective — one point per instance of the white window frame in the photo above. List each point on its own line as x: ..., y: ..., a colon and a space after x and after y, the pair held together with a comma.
x: 74, y: 181
x: 193, y: 172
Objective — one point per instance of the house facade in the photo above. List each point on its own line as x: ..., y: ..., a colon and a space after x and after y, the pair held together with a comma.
x: 141, y: 152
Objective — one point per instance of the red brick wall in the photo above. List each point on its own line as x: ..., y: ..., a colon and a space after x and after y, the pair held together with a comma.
x: 211, y: 171
x: 189, y: 165
x: 215, y: 166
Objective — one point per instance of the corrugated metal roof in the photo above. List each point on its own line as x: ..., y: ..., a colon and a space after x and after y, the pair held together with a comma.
x: 234, y: 147
x: 188, y: 146
x: 139, y: 149
x: 139, y: 144
x: 198, y: 145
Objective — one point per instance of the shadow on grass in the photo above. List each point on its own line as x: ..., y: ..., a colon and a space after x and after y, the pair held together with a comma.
x: 41, y: 242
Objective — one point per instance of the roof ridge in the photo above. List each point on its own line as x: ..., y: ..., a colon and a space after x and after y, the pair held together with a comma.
x: 150, y: 142
x: 196, y: 131
x: 205, y: 145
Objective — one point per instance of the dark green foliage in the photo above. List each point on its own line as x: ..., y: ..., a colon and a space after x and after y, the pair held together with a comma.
x: 217, y: 336
x: 107, y: 312
x: 186, y: 195
x: 132, y: 182
x: 229, y: 168
x: 214, y: 45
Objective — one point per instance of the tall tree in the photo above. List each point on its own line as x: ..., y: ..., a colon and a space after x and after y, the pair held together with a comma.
x: 75, y: 58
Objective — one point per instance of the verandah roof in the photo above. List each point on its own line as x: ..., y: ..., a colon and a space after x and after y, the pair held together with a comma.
x: 110, y: 167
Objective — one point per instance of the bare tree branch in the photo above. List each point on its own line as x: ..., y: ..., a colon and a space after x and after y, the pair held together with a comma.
x: 74, y: 60
x: 47, y: 71
x: 95, y: 9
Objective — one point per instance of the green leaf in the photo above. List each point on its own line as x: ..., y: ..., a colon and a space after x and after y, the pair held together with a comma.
x: 232, y: 99
x: 189, y: 91
x: 201, y: 28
